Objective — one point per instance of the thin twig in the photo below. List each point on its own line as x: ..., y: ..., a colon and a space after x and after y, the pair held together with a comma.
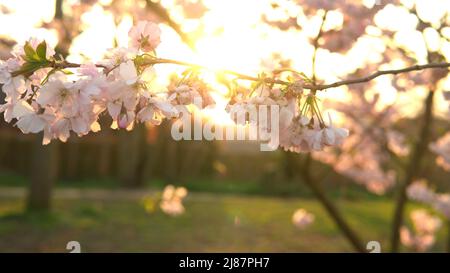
x: 316, y: 46
x: 381, y: 73
x: 309, y: 86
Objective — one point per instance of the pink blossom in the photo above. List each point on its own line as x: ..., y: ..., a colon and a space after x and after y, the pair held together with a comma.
x: 396, y: 143
x: 89, y: 69
x: 442, y: 204
x: 126, y: 120
x: 28, y: 120
x: 59, y: 93
x: 193, y: 10
x: 14, y: 87
x: 155, y: 109
x: 61, y: 129
x: 145, y: 35
x: 302, y: 218
x: 117, y: 56
x: 333, y: 135
x: 425, y: 228
x: 442, y: 148
x: 190, y: 90
x: 128, y: 73
x: 172, y: 200
x: 419, y: 191
x: 8, y: 67
x: 7, y: 110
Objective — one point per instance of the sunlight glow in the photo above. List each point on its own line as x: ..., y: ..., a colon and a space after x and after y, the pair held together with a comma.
x: 227, y: 37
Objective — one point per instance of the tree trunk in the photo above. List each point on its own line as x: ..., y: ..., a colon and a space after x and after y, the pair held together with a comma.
x: 130, y: 151
x: 103, y: 166
x: 73, y: 156
x: 412, y: 170
x: 43, y: 174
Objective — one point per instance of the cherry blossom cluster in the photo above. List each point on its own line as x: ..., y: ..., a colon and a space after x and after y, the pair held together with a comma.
x: 302, y: 132
x: 42, y: 94
x: 356, y: 18
x: 301, y: 126
x: 425, y: 228
x: 172, y: 200
x: 45, y: 93
x: 442, y: 148
x: 419, y: 191
x: 302, y: 218
x: 361, y: 157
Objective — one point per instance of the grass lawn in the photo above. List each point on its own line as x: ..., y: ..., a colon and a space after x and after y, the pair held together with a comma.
x: 209, y: 224
x: 230, y: 186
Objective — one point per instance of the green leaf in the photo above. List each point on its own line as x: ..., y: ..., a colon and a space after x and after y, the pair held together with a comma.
x: 30, y: 53
x: 41, y: 51
x: 66, y: 72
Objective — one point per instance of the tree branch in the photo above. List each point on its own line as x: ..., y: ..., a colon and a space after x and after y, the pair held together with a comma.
x: 383, y: 72
x: 58, y: 9
x: 65, y: 64
x: 331, y: 209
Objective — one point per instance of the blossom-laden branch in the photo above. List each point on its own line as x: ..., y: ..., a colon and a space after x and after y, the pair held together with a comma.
x: 154, y: 60
x: 44, y: 93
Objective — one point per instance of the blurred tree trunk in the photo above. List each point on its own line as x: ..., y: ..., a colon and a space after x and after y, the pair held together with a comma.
x: 73, y: 155
x: 59, y: 9
x: 44, y: 166
x: 289, y: 165
x: 131, y: 149
x: 332, y: 210
x: 413, y: 168
x: 170, y: 152
x: 104, y: 159
x: 151, y: 154
x: 44, y: 162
